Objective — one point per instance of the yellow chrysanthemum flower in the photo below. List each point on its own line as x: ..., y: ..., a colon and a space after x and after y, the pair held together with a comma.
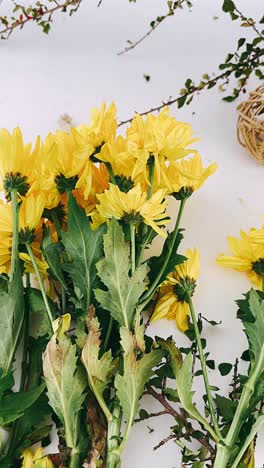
x: 133, y: 207
x: 31, y: 459
x: 172, y: 301
x: 30, y: 214
x: 90, y: 139
x: 257, y: 235
x: 161, y: 136
x: 187, y: 176
x: 248, y: 257
x: 127, y: 162
x: 16, y: 162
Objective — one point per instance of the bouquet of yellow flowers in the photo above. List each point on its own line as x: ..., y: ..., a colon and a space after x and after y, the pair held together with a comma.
x: 79, y: 213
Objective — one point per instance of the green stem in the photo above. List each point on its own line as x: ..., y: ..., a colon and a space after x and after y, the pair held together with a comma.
x: 63, y: 300
x: 113, y: 458
x: 42, y: 288
x: 133, y: 247
x: 151, y: 165
x: 262, y: 284
x: 57, y: 225
x: 142, y: 246
x: 75, y: 459
x: 147, y: 296
x: 110, y: 172
x: 24, y: 363
x: 15, y: 216
x: 204, y: 368
x: 108, y: 333
x: 223, y: 452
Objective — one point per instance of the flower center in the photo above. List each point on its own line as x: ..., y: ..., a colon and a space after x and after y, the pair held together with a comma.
x: 96, y: 151
x: 258, y: 266
x: 183, y: 193
x: 26, y: 236
x: 184, y: 288
x: 55, y: 213
x: 17, y: 182
x: 64, y: 184
x: 132, y: 218
x: 124, y: 183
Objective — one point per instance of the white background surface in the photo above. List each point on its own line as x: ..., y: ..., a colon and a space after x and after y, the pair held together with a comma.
x: 76, y: 67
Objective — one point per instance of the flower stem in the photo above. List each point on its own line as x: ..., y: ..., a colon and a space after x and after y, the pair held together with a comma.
x: 204, y: 368
x: 151, y: 165
x: 75, y: 458
x: 42, y: 288
x: 147, y: 296
x: 133, y: 247
x: 108, y: 333
x: 15, y: 214
x: 110, y: 172
x: 24, y: 363
x: 113, y: 457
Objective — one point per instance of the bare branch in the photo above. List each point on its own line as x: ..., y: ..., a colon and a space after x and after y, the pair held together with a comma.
x: 155, y: 24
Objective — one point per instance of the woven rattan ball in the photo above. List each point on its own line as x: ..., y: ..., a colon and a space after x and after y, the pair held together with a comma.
x: 250, y: 125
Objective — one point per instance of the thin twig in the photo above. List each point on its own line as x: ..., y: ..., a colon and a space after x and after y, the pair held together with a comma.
x: 20, y: 23
x: 156, y: 24
x: 164, y: 441
x: 180, y: 416
x: 152, y: 415
x: 207, y: 84
x: 249, y: 21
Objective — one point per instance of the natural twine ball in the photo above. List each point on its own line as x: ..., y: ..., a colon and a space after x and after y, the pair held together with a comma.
x: 250, y: 125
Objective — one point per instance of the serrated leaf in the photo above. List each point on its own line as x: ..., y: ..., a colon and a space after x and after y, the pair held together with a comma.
x: 184, y: 386
x: 84, y: 247
x: 123, y: 290
x: 33, y: 426
x: 65, y: 383
x: 156, y: 263
x: 11, y: 321
x: 39, y: 321
x: 99, y: 370
x: 136, y: 374
x: 255, y: 330
x: 15, y: 404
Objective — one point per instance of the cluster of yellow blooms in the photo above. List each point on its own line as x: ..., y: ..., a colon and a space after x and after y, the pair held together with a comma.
x: 248, y: 255
x: 110, y: 176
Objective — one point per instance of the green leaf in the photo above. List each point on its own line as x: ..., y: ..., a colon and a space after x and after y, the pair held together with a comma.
x: 155, y: 263
x: 99, y: 370
x: 11, y: 321
x: 6, y: 382
x: 228, y: 6
x: 15, y: 404
x: 53, y: 253
x: 39, y: 321
x: 33, y: 426
x: 123, y: 290
x: 184, y: 387
x: 136, y: 374
x: 255, y: 330
x: 226, y: 407
x: 225, y: 368
x: 254, y: 430
x: 65, y: 383
x: 84, y: 247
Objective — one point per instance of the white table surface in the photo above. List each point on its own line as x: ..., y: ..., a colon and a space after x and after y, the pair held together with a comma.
x: 76, y: 67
